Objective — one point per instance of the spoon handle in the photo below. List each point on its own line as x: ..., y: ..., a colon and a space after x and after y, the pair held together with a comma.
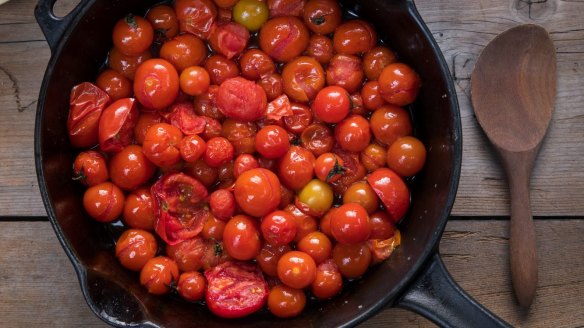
x: 522, y: 244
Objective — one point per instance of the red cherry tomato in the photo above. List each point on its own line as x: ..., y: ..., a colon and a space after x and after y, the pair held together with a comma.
x: 222, y: 204
x: 241, y: 99
x: 284, y: 38
x: 86, y: 103
x: 371, y: 97
x: 218, y: 151
x: 332, y: 104
x: 373, y: 157
x: 296, y: 269
x: 163, y: 20
x: 322, y: 16
x: 179, y: 212
x: 229, y: 39
x: 272, y: 84
x: 235, y: 289
x: 114, y: 84
x: 286, y: 302
x: 375, y: 60
x: 406, y: 156
x: 305, y: 223
x: 361, y: 193
x: 392, y: 191
x: 90, y: 168
x: 221, y: 69
x: 255, y: 64
x: 133, y: 35
x: 242, y: 163
x: 213, y: 229
x: 196, y: 16
x: 350, y: 224
x: 124, y: 64
x: 138, y: 210
x: 318, y: 138
x: 329, y: 167
x: 352, y: 259
x: 300, y: 119
x: 134, y: 248
x: 240, y: 134
x: 296, y: 168
x: 116, y: 125
x: 286, y: 7
x: 328, y: 281
x: 317, y: 245
x: 192, y: 148
x: 158, y: 274
x: 183, y: 51
x: 303, y: 78
x: 191, y: 286
x: 353, y: 133
x: 278, y: 228
x: 201, y: 171
x: 241, y: 238
x: 104, y: 202
x: 162, y: 144
x: 145, y: 121
x: 389, y: 123
x: 399, y: 84
x: 272, y: 142
x: 345, y: 71
x: 188, y: 254
x: 257, y: 192
x: 156, y: 84
x: 354, y: 37
x: 320, y: 48
x: 194, y: 80
x: 382, y: 227
x: 129, y: 168
x: 269, y: 256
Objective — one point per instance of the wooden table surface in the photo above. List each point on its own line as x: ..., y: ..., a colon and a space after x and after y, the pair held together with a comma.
x: 38, y: 286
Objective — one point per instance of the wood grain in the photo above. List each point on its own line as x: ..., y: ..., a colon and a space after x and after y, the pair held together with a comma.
x: 38, y: 286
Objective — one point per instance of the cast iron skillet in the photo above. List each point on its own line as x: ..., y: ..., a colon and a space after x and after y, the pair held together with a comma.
x: 414, y: 278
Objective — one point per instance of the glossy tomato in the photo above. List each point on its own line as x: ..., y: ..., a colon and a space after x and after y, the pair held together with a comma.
x: 373, y: 157
x: 86, y: 103
x: 255, y: 64
x: 382, y: 227
x: 240, y: 134
x: 156, y: 84
x: 320, y: 48
x: 303, y: 78
x: 235, y: 289
x: 163, y: 20
x: 352, y: 259
x: 272, y: 84
x: 183, y: 51
x: 134, y: 248
x: 272, y: 142
x: 375, y: 60
x: 322, y: 16
x: 269, y: 257
x: 257, y: 192
x: 284, y: 38
x: 179, y: 212
x: 222, y: 204
x: 138, y: 210
x: 305, y: 223
x: 191, y: 286
x: 242, y: 163
x: 392, y: 191
x: 278, y: 228
x: 220, y: 69
x: 158, y: 274
x: 241, y: 238
x: 90, y: 168
x: 213, y: 229
x: 318, y: 138
x: 251, y: 13
x: 296, y: 269
x: 389, y: 123
x: 300, y: 119
x: 361, y: 193
x: 116, y: 125
x: 332, y: 104
x: 201, y: 171
x: 286, y: 302
x: 129, y: 168
x: 406, y: 156
x: 188, y: 254
x: 353, y: 133
x: 399, y: 84
x: 162, y: 144
x: 354, y: 37
x: 114, y: 84
x: 286, y: 7
x: 192, y: 148
x: 328, y: 281
x: 350, y: 224
x: 196, y: 16
x: 317, y: 245
x: 124, y: 64
x: 133, y: 35
x: 145, y: 121
x: 296, y: 168
x: 241, y: 99
x: 371, y: 97
x: 218, y: 151
x: 104, y: 202
x: 329, y: 167
x: 194, y: 80
x: 345, y: 71
x: 315, y: 198
x: 229, y: 39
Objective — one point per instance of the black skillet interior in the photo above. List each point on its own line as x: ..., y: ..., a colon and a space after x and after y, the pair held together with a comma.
x: 114, y: 294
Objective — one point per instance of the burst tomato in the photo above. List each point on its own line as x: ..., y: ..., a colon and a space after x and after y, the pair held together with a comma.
x: 135, y: 247
x: 86, y: 103
x: 162, y: 144
x: 158, y: 274
x: 196, y: 16
x: 104, y: 202
x: 241, y: 99
x: 90, y: 168
x: 156, y: 84
x: 257, y: 192
x: 392, y: 190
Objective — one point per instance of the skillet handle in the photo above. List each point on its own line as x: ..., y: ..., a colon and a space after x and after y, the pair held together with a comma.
x: 437, y: 297
x: 53, y: 27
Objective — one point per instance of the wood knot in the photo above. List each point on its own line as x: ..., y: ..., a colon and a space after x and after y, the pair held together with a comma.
x: 534, y: 10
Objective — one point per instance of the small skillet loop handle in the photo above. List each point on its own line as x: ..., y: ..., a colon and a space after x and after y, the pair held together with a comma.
x: 53, y: 27
x: 437, y: 297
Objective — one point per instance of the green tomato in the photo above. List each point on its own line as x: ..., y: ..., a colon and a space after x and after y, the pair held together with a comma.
x: 250, y: 13
x: 317, y: 195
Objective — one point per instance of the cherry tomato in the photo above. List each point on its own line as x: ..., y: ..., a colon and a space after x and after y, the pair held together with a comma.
x: 212, y: 130
x: 104, y: 202
x: 178, y: 209
x: 286, y: 302
x: 134, y: 248
x: 353, y: 133
x: 163, y: 20
x: 278, y: 228
x: 240, y: 134
x: 296, y: 269
x: 352, y: 259
x: 329, y: 167
x: 225, y: 4
x: 255, y: 64
x: 361, y: 193
x: 286, y: 7
x: 235, y: 289
x: 325, y: 222
x: 303, y: 78
x: 229, y: 39
x: 389, y: 123
x: 114, y: 84
x: 375, y: 60
x: 392, y: 190
x: 205, y: 103
x: 272, y: 84
x: 381, y: 249
x: 382, y: 227
x: 191, y: 286
x: 284, y: 38
x: 257, y: 192
x: 305, y: 223
x: 399, y: 84
x: 182, y: 115
x: 156, y: 84
x: 242, y: 238
x: 158, y: 274
x: 251, y: 13
x: 272, y: 142
x: 322, y: 16
x: 86, y: 103
x: 350, y: 224
x: 221, y: 69
x: 194, y: 80
x: 296, y: 167
x: 218, y: 151
x: 318, y: 138
x: 320, y: 48
x: 162, y: 144
x: 317, y: 245
x: 124, y: 64
x: 276, y: 111
x: 328, y: 281
x: 222, y: 204
x: 242, y: 163
x: 373, y: 157
x: 371, y: 97
x: 241, y: 99
x: 192, y: 148
x: 213, y: 229
x: 300, y: 119
x: 90, y: 168
x: 138, y: 210
x: 133, y: 35
x: 116, y: 125
x: 317, y: 196
x: 196, y: 16
x: 345, y: 71
x: 406, y: 156
x: 129, y: 168
x: 188, y: 254
x: 145, y: 121
x: 332, y: 104
x: 354, y: 37
x: 201, y: 171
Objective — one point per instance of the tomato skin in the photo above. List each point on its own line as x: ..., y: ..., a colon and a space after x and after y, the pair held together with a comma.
x: 196, y: 16
x: 296, y: 269
x: 183, y: 51
x: 255, y: 64
x: 305, y: 223
x: 303, y: 78
x: 371, y: 97
x: 329, y: 167
x: 192, y: 148
x: 322, y: 16
x: 129, y: 168
x: 278, y: 228
x: 205, y: 103
x: 318, y: 138
x: 317, y: 245
x: 188, y: 254
x: 116, y: 125
x: 283, y: 38
x: 375, y: 60
x: 124, y: 64
x: 201, y: 171
x: 320, y: 48
x: 86, y: 103
x: 354, y: 37
x: 242, y: 163
x: 373, y: 157
x: 90, y: 168
x: 332, y: 104
x: 156, y: 84
x: 257, y: 192
x: 162, y: 144
x: 353, y: 133
x: 191, y: 286
x: 328, y: 281
x: 286, y: 302
x: 361, y: 193
x: 406, y: 156
x: 296, y: 168
x: 272, y: 142
x: 350, y: 224
x: 133, y: 35
x: 272, y: 84
x: 114, y: 84
x: 194, y: 80
x: 229, y: 39
x: 241, y: 238
x: 213, y: 229
x: 286, y: 7
x: 220, y: 69
x: 225, y: 4
x: 222, y: 204
x: 134, y: 248
x: 240, y: 134
x: 138, y: 210
x: 158, y: 274
x: 242, y: 99
x: 399, y: 84
x: 382, y: 227
x: 178, y: 209
x: 389, y: 123
x: 345, y: 71
x: 352, y: 259
x: 218, y: 151
x: 104, y: 202
x: 300, y: 119
x: 392, y: 191
x: 163, y: 20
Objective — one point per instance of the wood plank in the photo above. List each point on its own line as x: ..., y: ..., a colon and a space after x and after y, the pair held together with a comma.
x: 36, y: 277
x: 462, y: 29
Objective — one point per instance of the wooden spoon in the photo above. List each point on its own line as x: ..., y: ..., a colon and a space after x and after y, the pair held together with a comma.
x: 513, y: 88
